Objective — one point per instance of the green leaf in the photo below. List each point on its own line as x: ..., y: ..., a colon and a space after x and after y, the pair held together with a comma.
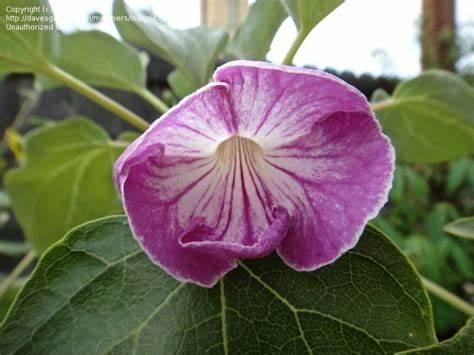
x: 440, y: 214
x: 25, y: 49
x: 180, y: 85
x: 308, y: 13
x: 458, y: 172
x: 97, y: 292
x: 9, y: 296
x: 463, y: 228
x: 128, y: 136
x: 66, y: 180
x: 192, y: 51
x: 461, y: 343
x: 398, y: 187
x: 417, y: 185
x: 423, y: 111
x: 462, y: 259
x: 379, y: 95
x: 99, y: 59
x: 255, y: 35
x: 14, y: 249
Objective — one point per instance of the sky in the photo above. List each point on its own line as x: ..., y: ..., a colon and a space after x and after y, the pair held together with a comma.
x: 363, y: 36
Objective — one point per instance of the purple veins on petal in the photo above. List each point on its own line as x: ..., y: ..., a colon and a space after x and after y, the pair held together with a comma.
x: 266, y: 158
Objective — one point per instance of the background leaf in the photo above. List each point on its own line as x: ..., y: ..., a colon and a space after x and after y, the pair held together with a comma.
x: 192, y: 51
x: 255, y: 35
x: 97, y: 292
x: 379, y: 95
x: 308, y: 13
x: 99, y: 59
x: 461, y: 343
x: 458, y: 172
x: 463, y: 228
x: 66, y: 180
x: 26, y: 50
x: 180, y: 85
x: 423, y: 110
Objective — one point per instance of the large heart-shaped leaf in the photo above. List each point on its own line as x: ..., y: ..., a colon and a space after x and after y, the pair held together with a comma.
x: 255, y: 34
x: 308, y: 13
x: 192, y: 51
x: 66, y: 180
x: 461, y: 343
x: 7, y: 298
x: 28, y: 40
x: 430, y: 118
x: 96, y: 292
x: 99, y: 59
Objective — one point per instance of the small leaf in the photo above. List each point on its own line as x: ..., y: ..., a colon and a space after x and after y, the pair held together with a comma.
x: 417, y: 185
x: 398, y: 187
x: 113, y: 299
x: 462, y: 259
x: 437, y: 218
x: 66, y: 180
x: 128, y: 136
x: 423, y: 110
x: 461, y: 343
x: 379, y: 95
x: 14, y: 249
x: 23, y: 49
x: 308, y: 13
x: 99, y: 59
x: 193, y: 51
x: 463, y: 228
x: 255, y: 35
x: 458, y: 172
x: 180, y: 84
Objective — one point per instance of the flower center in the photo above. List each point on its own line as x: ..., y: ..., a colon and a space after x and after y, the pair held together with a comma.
x: 236, y: 148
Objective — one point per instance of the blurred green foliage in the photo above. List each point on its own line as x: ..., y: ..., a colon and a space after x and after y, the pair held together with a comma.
x: 424, y: 198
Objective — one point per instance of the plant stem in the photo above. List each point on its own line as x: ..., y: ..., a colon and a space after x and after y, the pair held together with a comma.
x: 300, y: 37
x: 96, y: 96
x: 153, y: 100
x: 17, y: 271
x: 448, y: 297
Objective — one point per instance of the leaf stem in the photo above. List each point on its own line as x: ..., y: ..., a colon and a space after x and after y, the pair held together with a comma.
x: 448, y: 297
x: 300, y: 37
x: 96, y: 96
x: 153, y: 100
x: 17, y: 271
x: 381, y: 105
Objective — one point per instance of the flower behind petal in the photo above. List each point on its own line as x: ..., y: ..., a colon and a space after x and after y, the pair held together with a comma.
x: 266, y: 158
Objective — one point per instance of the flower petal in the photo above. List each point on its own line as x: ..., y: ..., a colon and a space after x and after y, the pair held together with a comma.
x: 345, y: 166
x: 278, y: 104
x: 268, y: 158
x: 331, y: 166
x: 194, y: 199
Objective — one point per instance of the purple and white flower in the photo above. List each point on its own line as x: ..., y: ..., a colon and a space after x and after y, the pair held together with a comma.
x: 265, y: 158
